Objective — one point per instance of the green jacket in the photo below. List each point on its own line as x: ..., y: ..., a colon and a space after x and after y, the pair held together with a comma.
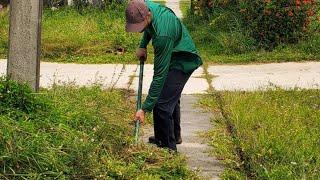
x: 173, y: 49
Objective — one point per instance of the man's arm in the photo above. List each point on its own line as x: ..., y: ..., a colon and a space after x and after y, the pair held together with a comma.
x: 145, y: 40
x: 163, y: 47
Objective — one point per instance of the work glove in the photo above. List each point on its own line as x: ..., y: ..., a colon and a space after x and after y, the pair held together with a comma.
x: 141, y: 54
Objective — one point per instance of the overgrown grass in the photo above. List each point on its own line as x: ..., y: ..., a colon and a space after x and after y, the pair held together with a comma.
x: 4, y: 33
x: 221, y: 39
x: 76, y: 133
x: 94, y: 36
x: 185, y: 5
x: 160, y: 2
x: 267, y: 135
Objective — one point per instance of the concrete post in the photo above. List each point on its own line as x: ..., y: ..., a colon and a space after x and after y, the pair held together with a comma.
x: 24, y: 42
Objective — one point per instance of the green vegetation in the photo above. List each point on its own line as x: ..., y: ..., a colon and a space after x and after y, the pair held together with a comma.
x: 222, y: 38
x: 266, y: 135
x: 76, y: 133
x: 160, y: 2
x: 95, y: 36
x: 185, y: 6
x: 4, y: 33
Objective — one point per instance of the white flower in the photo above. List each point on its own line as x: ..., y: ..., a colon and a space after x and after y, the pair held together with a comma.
x: 294, y: 163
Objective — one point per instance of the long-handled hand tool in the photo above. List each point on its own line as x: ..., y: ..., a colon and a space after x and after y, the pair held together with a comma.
x: 137, y: 124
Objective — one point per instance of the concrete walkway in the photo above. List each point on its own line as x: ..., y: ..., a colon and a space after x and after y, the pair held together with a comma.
x: 108, y: 75
x: 226, y: 77
x: 263, y: 76
x: 175, y: 6
x: 194, y: 121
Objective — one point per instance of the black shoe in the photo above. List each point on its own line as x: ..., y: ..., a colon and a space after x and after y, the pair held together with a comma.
x: 179, y: 140
x: 152, y: 140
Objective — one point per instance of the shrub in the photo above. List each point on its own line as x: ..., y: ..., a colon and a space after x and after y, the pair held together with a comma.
x: 270, y: 22
x: 100, y: 4
x: 80, y: 4
x: 277, y: 21
x: 54, y: 3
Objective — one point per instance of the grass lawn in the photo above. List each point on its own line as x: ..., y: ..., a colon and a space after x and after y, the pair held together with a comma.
x: 4, y: 33
x: 93, y: 37
x: 266, y: 135
x: 76, y: 133
x: 99, y: 37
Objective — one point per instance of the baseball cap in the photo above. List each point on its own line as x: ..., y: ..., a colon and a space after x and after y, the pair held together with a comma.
x: 136, y: 13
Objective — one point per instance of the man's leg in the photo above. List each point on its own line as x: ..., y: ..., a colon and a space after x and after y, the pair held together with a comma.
x: 164, y: 128
x: 156, y: 125
x: 177, y: 127
x: 176, y: 119
x: 163, y: 110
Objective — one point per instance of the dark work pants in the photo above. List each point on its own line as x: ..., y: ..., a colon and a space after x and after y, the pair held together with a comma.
x: 166, y: 113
